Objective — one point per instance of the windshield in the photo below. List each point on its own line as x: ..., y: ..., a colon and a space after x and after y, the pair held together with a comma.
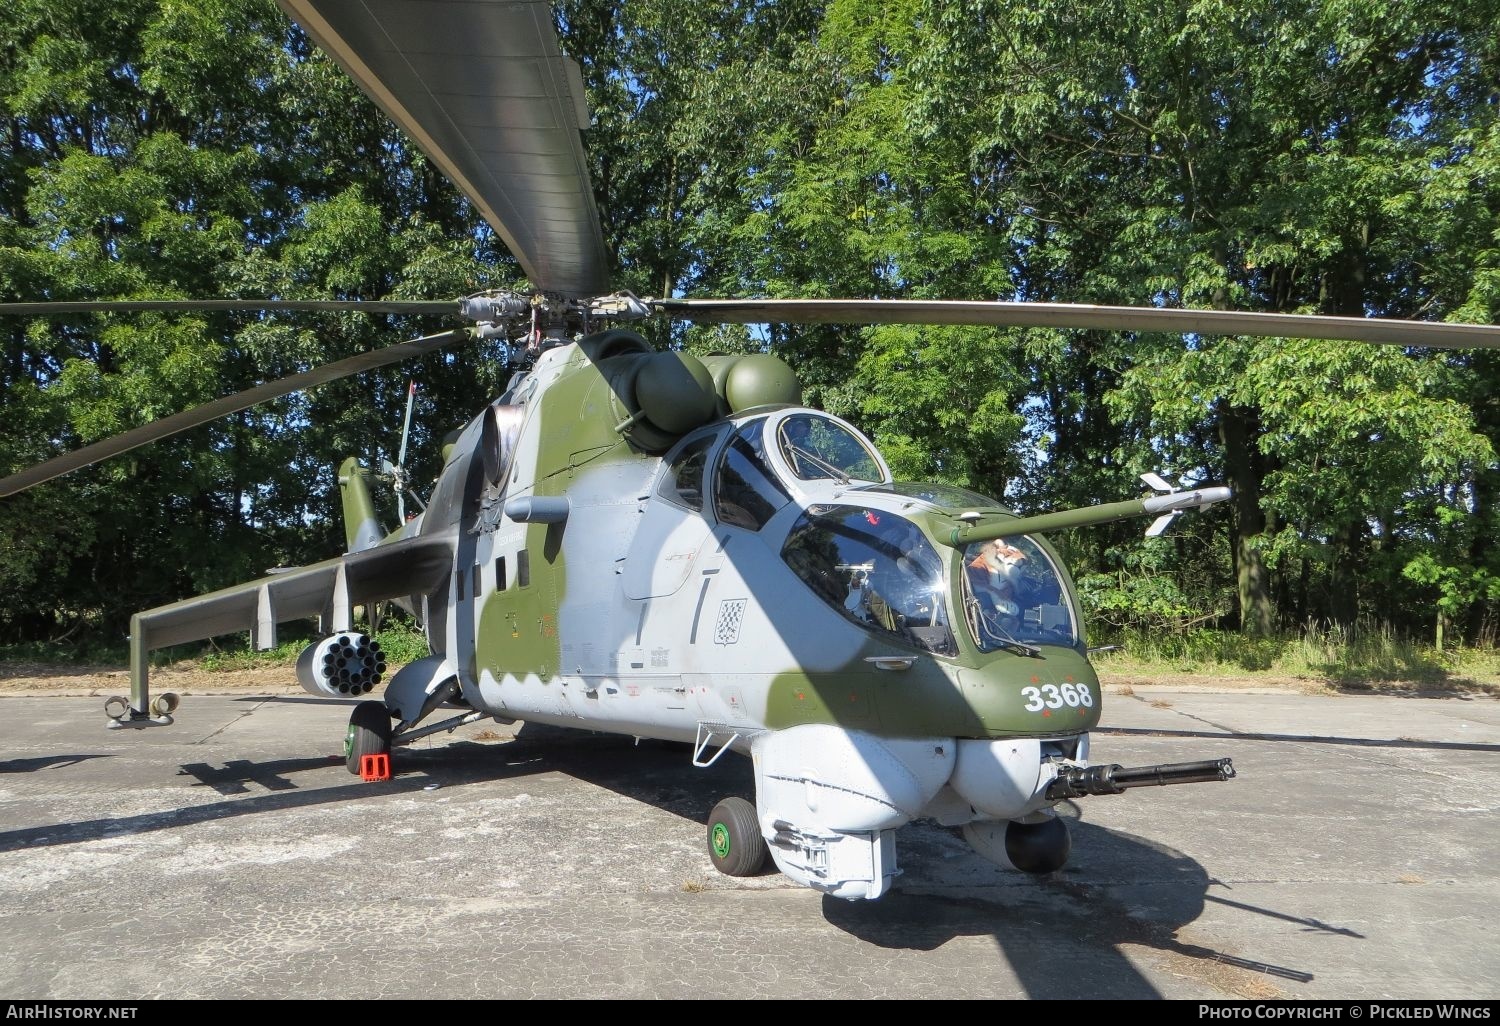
x: 818, y: 448
x: 1013, y: 596
x: 876, y: 569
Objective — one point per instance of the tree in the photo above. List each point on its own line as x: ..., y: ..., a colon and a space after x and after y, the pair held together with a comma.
x: 1279, y: 156
x: 161, y: 150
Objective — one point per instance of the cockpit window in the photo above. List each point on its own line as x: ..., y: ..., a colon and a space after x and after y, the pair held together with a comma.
x: 746, y: 492
x: 817, y: 448
x: 683, y: 481
x: 876, y: 569
x: 1012, y: 595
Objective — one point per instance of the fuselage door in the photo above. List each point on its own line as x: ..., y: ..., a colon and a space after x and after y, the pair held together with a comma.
x: 663, y: 551
x: 672, y: 528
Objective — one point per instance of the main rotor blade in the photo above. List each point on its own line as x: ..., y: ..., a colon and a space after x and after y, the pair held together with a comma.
x: 373, y: 306
x: 1433, y: 334
x: 483, y: 89
x: 102, y: 450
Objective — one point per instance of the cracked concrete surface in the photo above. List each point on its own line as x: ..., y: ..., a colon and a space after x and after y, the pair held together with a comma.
x: 232, y: 856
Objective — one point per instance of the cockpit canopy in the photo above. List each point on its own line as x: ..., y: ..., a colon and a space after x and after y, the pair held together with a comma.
x: 817, y: 447
x: 874, y: 566
x: 1013, y: 594
x: 762, y: 462
x: 877, y: 569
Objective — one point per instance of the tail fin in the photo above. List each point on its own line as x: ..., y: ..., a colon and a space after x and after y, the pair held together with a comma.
x: 361, y: 529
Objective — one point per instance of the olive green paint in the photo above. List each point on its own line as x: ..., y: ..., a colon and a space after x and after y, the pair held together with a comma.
x: 518, y: 628
x: 359, y: 508
x: 1015, y: 695
x: 1085, y: 516
x: 676, y: 392
x: 922, y: 701
x: 941, y: 698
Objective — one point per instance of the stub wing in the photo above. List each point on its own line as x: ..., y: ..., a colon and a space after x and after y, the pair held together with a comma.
x: 328, y: 590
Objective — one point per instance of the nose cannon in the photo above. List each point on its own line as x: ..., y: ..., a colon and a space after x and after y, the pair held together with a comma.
x: 1078, y: 781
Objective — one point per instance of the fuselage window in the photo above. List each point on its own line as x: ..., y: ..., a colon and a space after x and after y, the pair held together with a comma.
x: 875, y: 568
x: 523, y: 568
x: 682, y: 484
x: 478, y: 580
x: 746, y: 492
x: 500, y: 574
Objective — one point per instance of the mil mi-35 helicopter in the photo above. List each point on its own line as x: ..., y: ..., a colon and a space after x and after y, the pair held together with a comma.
x: 646, y: 543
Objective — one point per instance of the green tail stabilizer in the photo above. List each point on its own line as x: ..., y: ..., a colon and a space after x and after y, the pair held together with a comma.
x: 361, y: 529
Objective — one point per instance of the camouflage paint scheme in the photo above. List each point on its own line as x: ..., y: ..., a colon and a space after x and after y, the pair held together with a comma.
x: 647, y: 658
x: 561, y: 580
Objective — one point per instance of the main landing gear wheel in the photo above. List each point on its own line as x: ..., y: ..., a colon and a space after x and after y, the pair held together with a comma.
x: 734, y: 840
x: 369, y: 733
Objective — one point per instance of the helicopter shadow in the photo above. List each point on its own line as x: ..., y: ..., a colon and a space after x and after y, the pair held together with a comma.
x: 658, y: 773
x: 1072, y: 934
x: 43, y: 762
x: 252, y: 788
x: 241, y: 776
x: 1066, y: 935
x: 1063, y: 936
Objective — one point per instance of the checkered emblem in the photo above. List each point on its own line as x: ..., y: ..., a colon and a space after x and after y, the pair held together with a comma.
x: 731, y: 615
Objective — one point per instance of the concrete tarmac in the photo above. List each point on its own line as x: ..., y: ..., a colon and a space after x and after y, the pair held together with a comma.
x: 231, y: 856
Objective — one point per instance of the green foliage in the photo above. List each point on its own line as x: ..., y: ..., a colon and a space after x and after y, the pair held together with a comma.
x: 1458, y: 586
x: 1119, y: 602
x: 400, y: 640
x: 1337, y: 157
x: 162, y: 150
x: 227, y: 658
x: 1364, y: 658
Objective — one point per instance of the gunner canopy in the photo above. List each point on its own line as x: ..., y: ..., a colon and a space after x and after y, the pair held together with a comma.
x: 877, y: 569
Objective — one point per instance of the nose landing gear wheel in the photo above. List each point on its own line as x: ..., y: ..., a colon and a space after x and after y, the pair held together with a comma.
x: 735, y: 843
x: 369, y: 734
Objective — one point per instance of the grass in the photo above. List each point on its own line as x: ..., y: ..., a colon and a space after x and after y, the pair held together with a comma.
x: 88, y: 653
x: 401, y: 641
x: 1352, y: 660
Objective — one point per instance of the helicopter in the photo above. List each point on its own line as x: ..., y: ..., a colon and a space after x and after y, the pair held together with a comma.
x: 647, y: 543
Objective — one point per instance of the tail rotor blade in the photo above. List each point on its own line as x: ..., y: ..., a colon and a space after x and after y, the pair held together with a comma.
x: 411, y: 395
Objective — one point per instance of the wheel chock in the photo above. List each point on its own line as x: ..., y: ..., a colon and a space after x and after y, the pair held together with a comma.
x: 375, y: 767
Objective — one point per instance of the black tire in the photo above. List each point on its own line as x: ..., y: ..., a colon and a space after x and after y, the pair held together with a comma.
x: 369, y: 733
x: 734, y: 840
